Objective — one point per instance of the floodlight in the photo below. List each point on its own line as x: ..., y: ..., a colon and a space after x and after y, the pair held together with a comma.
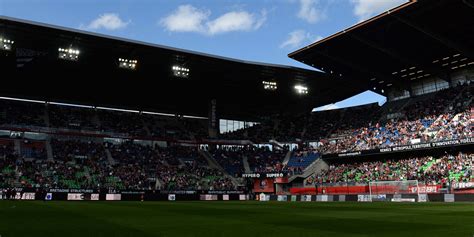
x: 130, y: 64
x: 269, y: 85
x: 302, y: 90
x: 180, y: 71
x: 70, y: 54
x: 6, y: 44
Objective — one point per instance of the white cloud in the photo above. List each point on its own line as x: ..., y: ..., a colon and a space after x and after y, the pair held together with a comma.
x: 297, y: 38
x: 107, y: 21
x: 310, y: 11
x: 364, y: 9
x: 186, y: 19
x: 190, y: 19
x: 236, y: 21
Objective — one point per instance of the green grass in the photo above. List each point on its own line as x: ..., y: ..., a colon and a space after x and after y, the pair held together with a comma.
x: 49, y: 219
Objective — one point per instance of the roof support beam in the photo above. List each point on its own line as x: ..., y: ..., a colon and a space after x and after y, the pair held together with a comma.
x: 439, y: 72
x: 357, y: 67
x: 458, y: 46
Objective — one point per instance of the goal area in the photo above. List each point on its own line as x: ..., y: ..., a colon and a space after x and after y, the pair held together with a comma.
x: 395, y: 191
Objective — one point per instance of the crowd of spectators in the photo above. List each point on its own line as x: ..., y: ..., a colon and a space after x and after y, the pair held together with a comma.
x: 427, y: 170
x: 260, y: 159
x: 122, y: 122
x: 21, y: 113
x: 439, y: 115
x: 307, y: 126
x: 321, y: 124
x: 440, y: 118
x: 28, y: 114
x: 191, y: 177
x: 75, y: 151
x: 301, y: 158
x: 263, y: 160
x: 230, y: 158
x: 8, y: 159
x: 72, y: 118
x: 33, y: 149
x: 84, y: 164
x: 133, y: 153
x: 444, y: 115
x: 259, y: 133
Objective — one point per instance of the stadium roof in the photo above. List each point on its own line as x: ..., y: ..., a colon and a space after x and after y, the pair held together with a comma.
x: 96, y: 79
x: 415, y: 40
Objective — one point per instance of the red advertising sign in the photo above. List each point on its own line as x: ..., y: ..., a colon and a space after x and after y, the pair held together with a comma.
x: 281, y: 180
x: 425, y: 189
x: 263, y: 186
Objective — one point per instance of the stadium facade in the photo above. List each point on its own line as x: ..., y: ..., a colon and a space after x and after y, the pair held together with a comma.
x: 94, y: 117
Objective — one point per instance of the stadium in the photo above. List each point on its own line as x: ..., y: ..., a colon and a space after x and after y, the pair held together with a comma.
x: 107, y: 136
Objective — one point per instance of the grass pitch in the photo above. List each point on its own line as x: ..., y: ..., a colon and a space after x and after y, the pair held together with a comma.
x: 243, y: 219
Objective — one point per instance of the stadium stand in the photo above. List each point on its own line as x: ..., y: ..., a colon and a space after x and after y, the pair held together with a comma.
x: 262, y: 160
x: 72, y: 117
x: 231, y: 159
x: 85, y: 163
x: 303, y: 157
x: 21, y: 113
x: 444, y: 115
x: 427, y: 170
x: 33, y: 149
x: 433, y: 117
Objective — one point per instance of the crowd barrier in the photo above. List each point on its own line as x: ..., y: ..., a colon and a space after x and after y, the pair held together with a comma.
x: 97, y: 195
x: 367, y: 198
x: 127, y: 195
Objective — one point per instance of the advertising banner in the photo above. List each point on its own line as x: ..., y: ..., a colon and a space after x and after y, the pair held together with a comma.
x: 422, y: 197
x: 25, y: 196
x: 363, y: 198
x: 306, y: 198
x: 282, y: 198
x: 263, y: 186
x: 264, y: 175
x: 449, y: 198
x: 93, y: 197
x: 243, y: 197
x: 400, y: 199
x: 113, y: 197
x: 342, y: 198
x: 75, y: 196
x: 213, y: 119
x: 208, y: 197
x: 418, y: 146
x: 171, y: 197
x: 464, y: 185
x: 322, y: 198
x: 264, y: 197
x: 281, y: 180
x: 379, y: 197
x: 425, y: 189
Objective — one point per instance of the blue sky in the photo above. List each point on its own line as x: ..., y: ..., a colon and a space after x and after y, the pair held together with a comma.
x: 256, y: 30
